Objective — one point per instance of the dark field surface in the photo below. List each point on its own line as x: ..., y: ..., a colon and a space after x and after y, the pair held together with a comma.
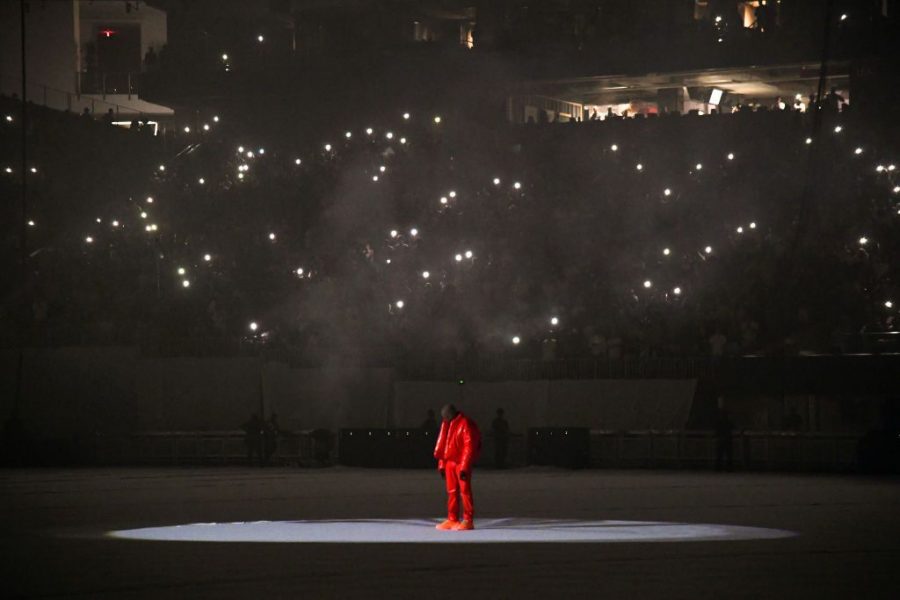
x: 847, y: 542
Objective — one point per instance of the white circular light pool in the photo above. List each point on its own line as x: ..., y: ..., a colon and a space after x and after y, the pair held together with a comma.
x: 418, y: 531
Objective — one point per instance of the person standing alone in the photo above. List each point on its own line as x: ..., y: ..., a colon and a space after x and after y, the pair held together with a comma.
x: 457, y: 449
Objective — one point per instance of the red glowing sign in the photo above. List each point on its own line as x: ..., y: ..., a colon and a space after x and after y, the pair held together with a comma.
x: 108, y: 33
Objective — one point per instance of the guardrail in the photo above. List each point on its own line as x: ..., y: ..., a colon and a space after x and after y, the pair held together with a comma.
x: 677, y: 449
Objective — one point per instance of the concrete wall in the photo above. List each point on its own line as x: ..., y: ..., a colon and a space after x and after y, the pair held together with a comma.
x: 613, y: 404
x: 50, y: 46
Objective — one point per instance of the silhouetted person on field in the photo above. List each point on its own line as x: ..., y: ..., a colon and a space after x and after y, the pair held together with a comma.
x: 500, y: 430
x: 724, y: 442
x: 270, y: 437
x: 253, y: 437
x: 430, y: 423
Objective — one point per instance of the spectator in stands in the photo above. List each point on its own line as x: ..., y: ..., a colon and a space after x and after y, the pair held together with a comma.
x: 150, y: 59
x: 253, y: 436
x: 834, y: 102
x: 500, y: 431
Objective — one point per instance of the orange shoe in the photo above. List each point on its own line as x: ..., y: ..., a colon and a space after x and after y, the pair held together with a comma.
x: 465, y: 525
x: 448, y: 524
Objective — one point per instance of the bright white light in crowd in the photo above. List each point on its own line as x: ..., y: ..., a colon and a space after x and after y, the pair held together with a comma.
x: 496, y: 181
x: 368, y: 131
x: 162, y: 167
x: 888, y: 304
x: 9, y: 118
x: 731, y: 156
x: 147, y: 228
x: 891, y: 167
x: 897, y: 189
x: 708, y: 249
x: 240, y: 175
x: 614, y: 147
x: 554, y: 320
x: 403, y: 140
x: 648, y: 284
x: 187, y: 129
x: 863, y: 241
x: 399, y: 304
x: 272, y: 236
x: 224, y: 57
x: 89, y: 240
x: 149, y: 199
x: 201, y: 181
x: 31, y: 223
x: 262, y: 151
x: 406, y: 116
x: 260, y: 39
x: 297, y: 161
x: 115, y: 223
x: 858, y: 151
x: 8, y: 169
x: 667, y: 192
x: 844, y: 17
x: 99, y: 220
x: 33, y: 169
x: 240, y: 149
x: 249, y: 153
x: 253, y: 326
x: 300, y: 271
x: 205, y: 127
x: 666, y: 252
x: 393, y: 233
x: 718, y: 18
x: 838, y: 129
x: 443, y: 199
x: 181, y: 271
x: 699, y: 166
x: 469, y: 254
x: 414, y: 232
x: 639, y: 167
x: 425, y: 274
x: 348, y: 134
x: 458, y: 257
x: 327, y: 147
x: 388, y: 261
x: 207, y: 257
x: 517, y: 185
x: 374, y: 177
x: 516, y: 340
x: 143, y: 215
x: 677, y: 291
x: 879, y: 168
x: 216, y: 119
x: 753, y: 225
x: 389, y: 135
x: 740, y: 230
x: 186, y: 283
x: 437, y: 119
x: 382, y: 168
x: 719, y: 40
x: 153, y: 227
x: 452, y: 194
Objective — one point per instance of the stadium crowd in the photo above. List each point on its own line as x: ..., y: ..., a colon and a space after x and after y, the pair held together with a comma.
x: 418, y: 236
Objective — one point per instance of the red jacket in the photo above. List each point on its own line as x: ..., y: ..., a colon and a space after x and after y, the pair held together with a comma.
x: 459, y: 442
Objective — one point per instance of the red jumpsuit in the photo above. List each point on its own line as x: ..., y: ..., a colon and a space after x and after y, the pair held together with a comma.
x: 458, y: 446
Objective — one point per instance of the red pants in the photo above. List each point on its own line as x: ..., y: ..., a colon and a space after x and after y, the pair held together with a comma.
x: 457, y: 487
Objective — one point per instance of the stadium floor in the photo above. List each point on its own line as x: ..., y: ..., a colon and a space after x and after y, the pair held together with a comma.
x: 342, y: 533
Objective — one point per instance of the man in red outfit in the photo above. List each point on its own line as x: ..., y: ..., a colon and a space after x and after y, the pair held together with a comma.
x: 457, y: 449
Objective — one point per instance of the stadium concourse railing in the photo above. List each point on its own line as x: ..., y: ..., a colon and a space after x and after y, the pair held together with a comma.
x: 677, y: 449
